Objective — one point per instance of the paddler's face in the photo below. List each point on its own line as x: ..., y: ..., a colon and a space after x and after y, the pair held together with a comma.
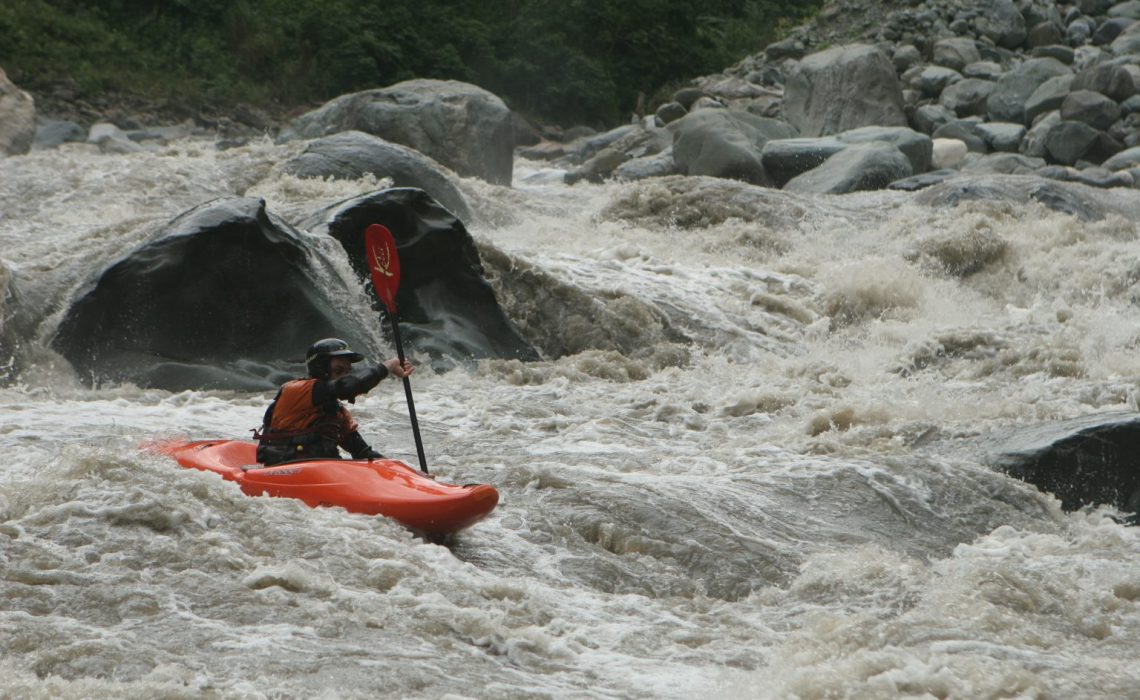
x: 339, y: 366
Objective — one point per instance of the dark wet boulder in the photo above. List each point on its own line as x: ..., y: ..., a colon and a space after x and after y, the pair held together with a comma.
x: 351, y: 155
x: 462, y: 126
x: 1083, y: 461
x: 784, y: 159
x: 224, y: 297
x: 447, y: 307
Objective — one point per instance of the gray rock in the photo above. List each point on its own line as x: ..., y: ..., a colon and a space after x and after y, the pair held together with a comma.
x: 1080, y: 31
x: 1047, y: 97
x: 462, y: 126
x: 1090, y: 107
x: 932, y: 80
x: 843, y: 88
x: 687, y: 96
x: 1107, y: 31
x: 906, y: 57
x: 1067, y: 142
x: 1034, y: 142
x: 965, y: 131
x: 1002, y: 23
x: 1043, y: 34
x: 927, y: 118
x: 1002, y: 136
x: 983, y: 70
x: 1130, y: 106
x: 1124, y: 160
x: 1094, y: 7
x: 1109, y: 79
x: 863, y: 167
x: 725, y: 143
x: 1130, y: 10
x: 600, y: 166
x: 351, y: 155
x: 915, y: 146
x: 17, y: 118
x: 112, y: 140
x: 967, y: 97
x: 1128, y: 42
x: 786, y: 48
x: 1007, y: 103
x: 1104, y: 178
x: 53, y: 133
x: 1005, y: 164
x: 785, y: 159
x: 670, y: 112
x: 922, y: 181
x: 955, y: 53
x: 1064, y: 54
x: 659, y: 165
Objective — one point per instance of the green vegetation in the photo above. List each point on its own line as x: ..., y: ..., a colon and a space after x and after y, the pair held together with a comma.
x: 562, y: 61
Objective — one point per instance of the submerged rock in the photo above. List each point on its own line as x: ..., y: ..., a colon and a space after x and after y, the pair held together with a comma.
x: 1084, y: 461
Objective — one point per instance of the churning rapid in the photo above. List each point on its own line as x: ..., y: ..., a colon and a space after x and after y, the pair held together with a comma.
x: 745, y: 469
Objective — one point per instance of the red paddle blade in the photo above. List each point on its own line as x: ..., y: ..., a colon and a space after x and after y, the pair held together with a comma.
x: 384, y: 263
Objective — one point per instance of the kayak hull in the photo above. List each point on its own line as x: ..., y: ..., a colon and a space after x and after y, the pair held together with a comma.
x: 378, y: 487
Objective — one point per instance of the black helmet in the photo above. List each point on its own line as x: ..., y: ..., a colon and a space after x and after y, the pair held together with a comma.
x: 320, y: 355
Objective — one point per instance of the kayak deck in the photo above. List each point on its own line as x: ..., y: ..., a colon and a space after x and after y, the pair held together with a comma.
x: 379, y: 487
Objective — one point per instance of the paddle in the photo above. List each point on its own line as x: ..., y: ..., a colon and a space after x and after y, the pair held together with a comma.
x: 380, y: 251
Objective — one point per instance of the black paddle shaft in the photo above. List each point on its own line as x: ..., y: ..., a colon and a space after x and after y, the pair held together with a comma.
x: 408, y: 394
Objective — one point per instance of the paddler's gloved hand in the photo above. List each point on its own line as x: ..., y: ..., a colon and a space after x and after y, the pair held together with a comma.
x: 358, y: 448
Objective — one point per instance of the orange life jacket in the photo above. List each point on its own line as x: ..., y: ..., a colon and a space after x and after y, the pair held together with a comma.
x: 295, y: 415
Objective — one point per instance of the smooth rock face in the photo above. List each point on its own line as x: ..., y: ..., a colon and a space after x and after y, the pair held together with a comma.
x: 447, y: 307
x: 352, y: 154
x: 459, y: 125
x: 725, y: 143
x: 870, y: 166
x: 218, y: 300
x: 841, y: 89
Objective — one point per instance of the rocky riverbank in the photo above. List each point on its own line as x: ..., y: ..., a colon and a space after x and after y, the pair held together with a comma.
x: 902, y: 93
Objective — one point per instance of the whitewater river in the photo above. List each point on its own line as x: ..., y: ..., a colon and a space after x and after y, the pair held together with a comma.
x: 747, y: 473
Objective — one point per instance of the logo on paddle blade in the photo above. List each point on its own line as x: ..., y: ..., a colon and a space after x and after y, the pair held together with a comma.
x: 382, y: 260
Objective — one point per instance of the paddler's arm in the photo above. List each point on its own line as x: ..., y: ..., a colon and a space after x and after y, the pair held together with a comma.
x: 359, y: 381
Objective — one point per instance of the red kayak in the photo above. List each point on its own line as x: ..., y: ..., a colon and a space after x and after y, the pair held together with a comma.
x: 378, y: 487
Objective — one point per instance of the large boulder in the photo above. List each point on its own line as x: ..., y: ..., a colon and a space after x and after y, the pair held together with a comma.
x: 725, y: 143
x: 462, y: 126
x: 955, y: 53
x: 1080, y: 201
x: 351, y: 155
x: 843, y: 88
x: 1047, y: 97
x: 1082, y: 461
x: 17, y: 118
x: 1013, y: 90
x: 869, y: 166
x: 967, y: 97
x: 446, y: 305
x: 223, y: 297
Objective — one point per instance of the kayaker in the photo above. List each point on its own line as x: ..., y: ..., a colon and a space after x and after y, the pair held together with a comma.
x: 306, y: 419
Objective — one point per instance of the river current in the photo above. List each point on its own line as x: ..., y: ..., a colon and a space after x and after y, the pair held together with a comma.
x: 746, y: 472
